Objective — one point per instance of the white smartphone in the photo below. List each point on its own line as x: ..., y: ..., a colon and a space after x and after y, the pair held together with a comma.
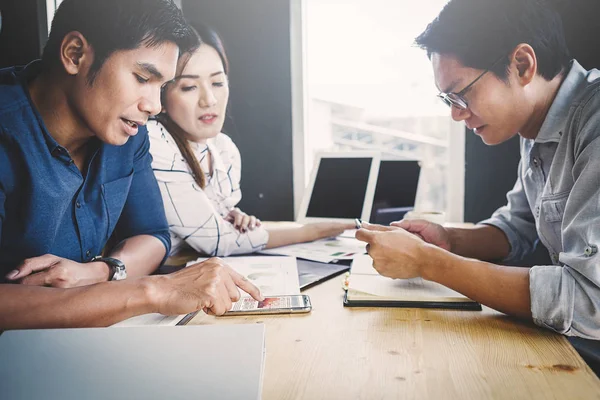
x: 299, y: 303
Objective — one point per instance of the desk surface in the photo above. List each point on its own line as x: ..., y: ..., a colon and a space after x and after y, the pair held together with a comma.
x: 378, y: 353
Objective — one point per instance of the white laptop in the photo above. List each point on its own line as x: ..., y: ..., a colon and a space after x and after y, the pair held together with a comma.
x: 341, y: 187
x: 178, y: 362
x: 396, y: 190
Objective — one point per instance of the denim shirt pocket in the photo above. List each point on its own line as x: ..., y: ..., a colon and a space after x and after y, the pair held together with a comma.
x: 115, y: 195
x: 553, y: 210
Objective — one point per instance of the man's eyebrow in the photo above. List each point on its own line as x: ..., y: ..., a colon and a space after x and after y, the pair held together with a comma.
x: 151, y: 69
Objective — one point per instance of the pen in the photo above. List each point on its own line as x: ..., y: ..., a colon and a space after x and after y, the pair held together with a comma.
x: 357, y: 223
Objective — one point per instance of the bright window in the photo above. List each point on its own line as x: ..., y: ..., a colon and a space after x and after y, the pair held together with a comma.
x: 51, y: 6
x: 362, y: 85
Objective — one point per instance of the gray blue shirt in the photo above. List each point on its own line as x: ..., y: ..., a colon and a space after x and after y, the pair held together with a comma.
x: 556, y: 199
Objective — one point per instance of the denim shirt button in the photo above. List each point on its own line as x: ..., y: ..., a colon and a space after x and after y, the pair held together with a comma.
x: 536, y: 162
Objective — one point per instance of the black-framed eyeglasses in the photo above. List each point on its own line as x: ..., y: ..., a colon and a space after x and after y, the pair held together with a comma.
x: 457, y: 99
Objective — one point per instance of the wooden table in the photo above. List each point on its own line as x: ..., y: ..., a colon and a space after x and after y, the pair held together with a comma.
x: 377, y: 353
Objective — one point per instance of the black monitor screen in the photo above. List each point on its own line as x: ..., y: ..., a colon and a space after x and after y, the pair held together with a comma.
x: 396, y: 184
x: 340, y: 188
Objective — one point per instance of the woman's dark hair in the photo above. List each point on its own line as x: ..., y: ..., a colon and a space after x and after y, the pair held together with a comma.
x: 112, y: 25
x: 207, y: 37
x: 477, y: 32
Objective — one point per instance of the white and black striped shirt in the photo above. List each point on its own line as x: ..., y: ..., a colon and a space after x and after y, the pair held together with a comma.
x: 196, y: 216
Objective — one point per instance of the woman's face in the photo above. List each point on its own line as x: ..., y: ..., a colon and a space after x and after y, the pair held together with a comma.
x: 196, y: 101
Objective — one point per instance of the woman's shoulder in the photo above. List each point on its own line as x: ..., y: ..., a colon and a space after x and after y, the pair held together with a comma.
x: 222, y: 140
x: 162, y: 145
x: 160, y: 136
x: 226, y: 146
x: 157, y: 131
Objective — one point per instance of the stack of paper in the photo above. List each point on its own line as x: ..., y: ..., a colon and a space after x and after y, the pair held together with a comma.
x: 155, y: 319
x: 367, y: 288
x: 324, y: 250
x: 272, y: 275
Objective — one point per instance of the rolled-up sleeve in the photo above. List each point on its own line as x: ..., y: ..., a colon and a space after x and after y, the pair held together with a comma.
x: 143, y: 213
x: 516, y: 221
x: 566, y: 298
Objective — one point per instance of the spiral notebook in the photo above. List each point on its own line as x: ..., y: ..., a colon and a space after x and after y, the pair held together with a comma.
x: 366, y: 288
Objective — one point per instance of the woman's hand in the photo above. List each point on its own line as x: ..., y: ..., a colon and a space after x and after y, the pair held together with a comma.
x: 242, y: 221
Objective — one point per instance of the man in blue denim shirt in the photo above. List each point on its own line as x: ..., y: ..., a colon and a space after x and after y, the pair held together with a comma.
x: 75, y: 169
x: 504, y: 69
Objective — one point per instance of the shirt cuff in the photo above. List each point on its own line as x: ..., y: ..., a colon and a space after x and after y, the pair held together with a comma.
x: 260, y: 236
x: 516, y: 248
x: 166, y: 241
x: 552, y: 292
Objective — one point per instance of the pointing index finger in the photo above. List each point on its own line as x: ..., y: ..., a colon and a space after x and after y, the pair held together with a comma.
x: 243, y: 283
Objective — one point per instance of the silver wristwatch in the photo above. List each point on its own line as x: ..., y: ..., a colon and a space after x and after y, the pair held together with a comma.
x: 117, y: 268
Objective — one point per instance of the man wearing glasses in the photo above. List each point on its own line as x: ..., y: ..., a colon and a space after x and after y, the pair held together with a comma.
x: 504, y: 69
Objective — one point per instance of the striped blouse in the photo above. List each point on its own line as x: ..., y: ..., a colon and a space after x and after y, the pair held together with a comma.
x: 195, y: 215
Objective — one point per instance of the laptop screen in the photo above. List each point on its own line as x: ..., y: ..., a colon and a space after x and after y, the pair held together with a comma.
x: 340, y: 188
x: 396, y: 184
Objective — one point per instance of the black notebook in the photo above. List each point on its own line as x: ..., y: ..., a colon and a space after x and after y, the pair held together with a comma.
x: 366, y: 288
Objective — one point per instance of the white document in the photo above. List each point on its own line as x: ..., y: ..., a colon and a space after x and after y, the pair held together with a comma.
x: 153, y: 319
x: 364, y: 279
x: 272, y: 275
x: 324, y: 250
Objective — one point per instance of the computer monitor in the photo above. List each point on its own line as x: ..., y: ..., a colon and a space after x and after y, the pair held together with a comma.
x: 396, y: 189
x: 341, y: 187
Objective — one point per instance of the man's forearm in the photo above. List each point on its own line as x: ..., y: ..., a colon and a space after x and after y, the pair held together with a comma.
x: 505, y: 289
x: 483, y: 242
x: 141, y: 254
x: 102, y: 304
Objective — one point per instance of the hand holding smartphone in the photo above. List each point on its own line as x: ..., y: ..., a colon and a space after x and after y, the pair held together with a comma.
x: 272, y: 305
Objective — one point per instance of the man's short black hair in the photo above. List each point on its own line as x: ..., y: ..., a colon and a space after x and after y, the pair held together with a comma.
x: 478, y: 32
x: 113, y: 25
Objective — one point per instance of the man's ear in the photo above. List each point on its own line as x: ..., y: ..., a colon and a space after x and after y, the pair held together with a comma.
x: 75, y: 52
x: 524, y: 63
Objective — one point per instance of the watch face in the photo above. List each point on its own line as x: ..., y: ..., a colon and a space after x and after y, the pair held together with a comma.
x: 120, y: 274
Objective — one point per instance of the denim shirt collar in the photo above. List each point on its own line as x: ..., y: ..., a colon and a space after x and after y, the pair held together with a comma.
x: 25, y: 76
x: 554, y: 124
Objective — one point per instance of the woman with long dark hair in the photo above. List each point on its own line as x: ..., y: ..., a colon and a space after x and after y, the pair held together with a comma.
x: 198, y: 167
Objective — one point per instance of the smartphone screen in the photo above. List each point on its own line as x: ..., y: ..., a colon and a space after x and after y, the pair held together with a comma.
x: 272, y: 305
